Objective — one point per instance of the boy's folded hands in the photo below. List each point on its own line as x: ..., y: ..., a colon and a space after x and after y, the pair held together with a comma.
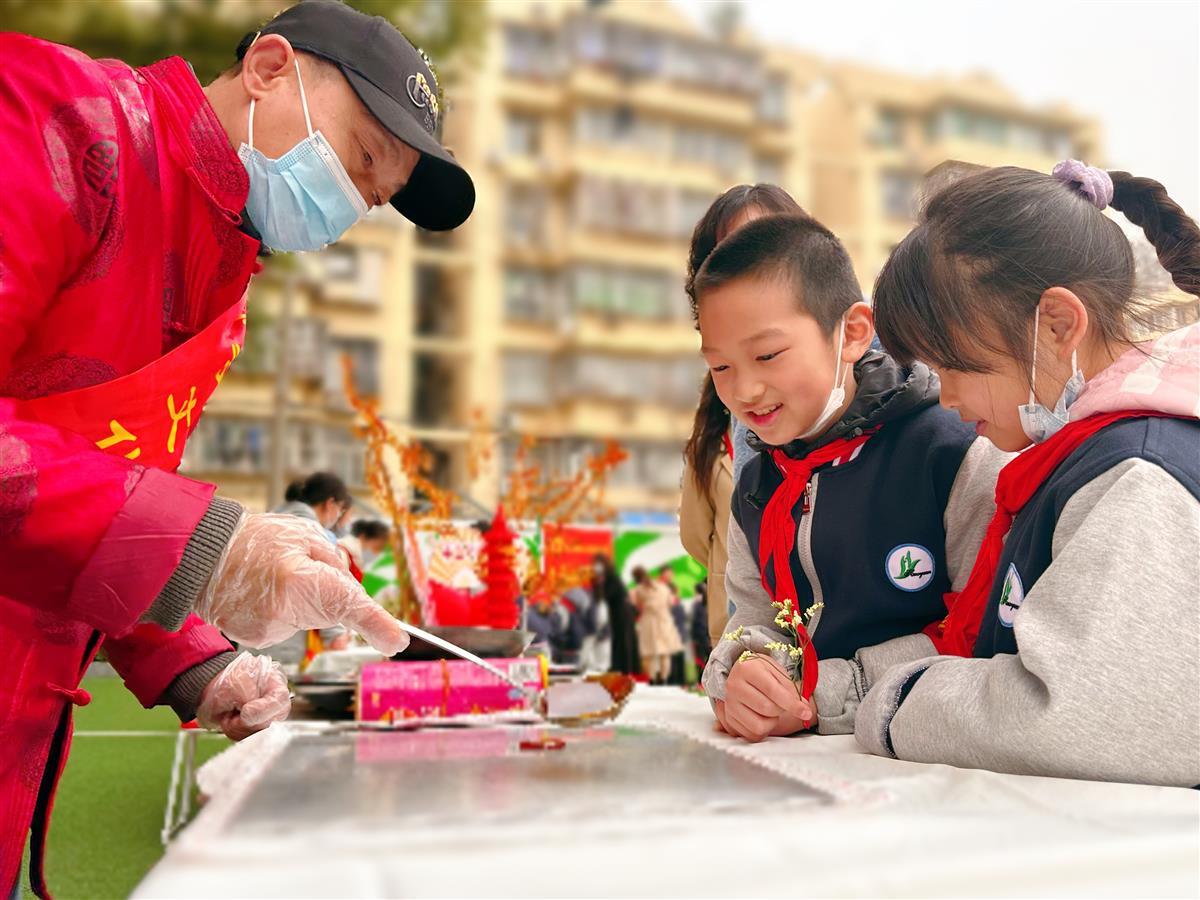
x: 761, y: 701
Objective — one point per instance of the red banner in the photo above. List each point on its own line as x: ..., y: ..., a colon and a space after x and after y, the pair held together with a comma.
x: 569, y: 550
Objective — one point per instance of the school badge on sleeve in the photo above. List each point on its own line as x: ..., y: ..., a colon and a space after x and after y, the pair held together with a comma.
x: 1012, y: 595
x: 910, y: 567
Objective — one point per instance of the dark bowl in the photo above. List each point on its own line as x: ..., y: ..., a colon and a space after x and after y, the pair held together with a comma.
x: 334, y: 700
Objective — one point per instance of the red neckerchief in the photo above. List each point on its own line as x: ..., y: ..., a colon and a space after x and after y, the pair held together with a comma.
x: 728, y: 444
x: 1018, y: 482
x: 777, y: 539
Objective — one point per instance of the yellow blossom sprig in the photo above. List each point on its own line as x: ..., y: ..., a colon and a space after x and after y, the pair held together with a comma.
x: 789, y: 620
x: 735, y: 635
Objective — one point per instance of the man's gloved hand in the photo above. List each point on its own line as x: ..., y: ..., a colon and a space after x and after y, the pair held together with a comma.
x: 280, y: 574
x: 246, y: 696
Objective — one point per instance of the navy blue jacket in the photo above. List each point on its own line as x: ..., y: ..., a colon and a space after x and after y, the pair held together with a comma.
x: 1173, y: 444
x: 874, y: 535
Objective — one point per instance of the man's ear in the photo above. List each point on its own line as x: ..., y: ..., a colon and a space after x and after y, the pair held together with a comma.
x: 267, y: 65
x: 860, y: 331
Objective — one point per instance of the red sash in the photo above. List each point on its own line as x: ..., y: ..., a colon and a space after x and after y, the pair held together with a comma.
x: 149, y: 414
x: 1018, y: 482
x: 777, y: 538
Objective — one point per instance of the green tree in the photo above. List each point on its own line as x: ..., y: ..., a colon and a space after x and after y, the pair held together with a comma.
x: 206, y: 32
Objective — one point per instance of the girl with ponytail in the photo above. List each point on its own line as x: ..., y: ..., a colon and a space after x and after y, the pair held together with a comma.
x: 1074, y: 648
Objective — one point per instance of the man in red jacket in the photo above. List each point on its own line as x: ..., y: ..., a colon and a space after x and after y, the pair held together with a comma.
x: 135, y: 204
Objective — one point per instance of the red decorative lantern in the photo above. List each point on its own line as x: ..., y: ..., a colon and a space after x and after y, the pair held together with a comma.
x: 500, y: 574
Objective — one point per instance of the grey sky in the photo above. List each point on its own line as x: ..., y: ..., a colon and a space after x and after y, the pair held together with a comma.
x: 1133, y: 64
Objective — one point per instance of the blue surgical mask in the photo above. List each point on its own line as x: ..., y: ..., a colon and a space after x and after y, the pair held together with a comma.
x: 304, y: 199
x: 1038, y: 422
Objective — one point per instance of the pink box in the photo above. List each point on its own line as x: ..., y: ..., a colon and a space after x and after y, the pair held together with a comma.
x: 409, y: 690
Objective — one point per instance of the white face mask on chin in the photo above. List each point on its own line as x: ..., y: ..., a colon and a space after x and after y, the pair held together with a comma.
x: 837, y: 396
x: 1038, y: 422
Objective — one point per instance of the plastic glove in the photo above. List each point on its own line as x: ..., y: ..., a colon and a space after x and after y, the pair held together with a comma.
x: 246, y: 696
x: 280, y: 574
x: 761, y: 700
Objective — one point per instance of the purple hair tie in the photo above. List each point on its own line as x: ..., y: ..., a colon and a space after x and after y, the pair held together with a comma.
x: 1088, y: 181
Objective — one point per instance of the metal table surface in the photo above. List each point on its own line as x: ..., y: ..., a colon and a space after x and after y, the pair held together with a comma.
x: 657, y: 805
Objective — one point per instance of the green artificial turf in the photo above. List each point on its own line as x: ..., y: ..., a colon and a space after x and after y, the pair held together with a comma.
x: 105, y: 833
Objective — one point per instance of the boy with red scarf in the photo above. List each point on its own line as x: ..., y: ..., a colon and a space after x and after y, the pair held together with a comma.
x: 1080, y: 620
x: 866, y: 502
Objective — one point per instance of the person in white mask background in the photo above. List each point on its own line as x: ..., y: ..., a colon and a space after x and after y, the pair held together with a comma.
x: 865, y: 501
x: 137, y: 202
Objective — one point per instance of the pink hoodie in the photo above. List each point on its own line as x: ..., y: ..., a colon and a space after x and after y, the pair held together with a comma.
x: 1162, y: 375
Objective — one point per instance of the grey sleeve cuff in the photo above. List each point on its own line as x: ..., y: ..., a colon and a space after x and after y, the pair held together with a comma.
x: 872, y: 728
x: 183, y: 695
x: 875, y: 661
x: 839, y: 690
x: 844, y: 682
x: 204, y: 548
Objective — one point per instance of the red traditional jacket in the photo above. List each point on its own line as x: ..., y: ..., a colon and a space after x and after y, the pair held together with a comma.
x: 122, y: 280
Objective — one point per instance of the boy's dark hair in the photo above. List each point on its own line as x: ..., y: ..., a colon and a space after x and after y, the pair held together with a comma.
x: 712, y: 419
x: 369, y: 530
x: 797, y: 250
x: 317, y: 488
x: 987, y: 246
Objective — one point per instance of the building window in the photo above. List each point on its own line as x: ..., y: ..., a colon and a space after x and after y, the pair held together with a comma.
x: 1028, y: 137
x: 529, y: 295
x: 723, y: 151
x: 899, y: 191
x: 524, y: 214
x: 305, y: 447
x: 229, y: 445
x: 991, y: 129
x: 364, y: 366
x: 772, y: 102
x: 718, y: 68
x: 522, y: 135
x: 619, y: 126
x: 345, y: 456
x: 955, y: 122
x: 353, y: 274
x: 667, y: 381
x: 689, y: 208
x: 527, y: 379
x: 640, y: 294
x: 661, y: 466
x: 889, y: 128
x: 591, y: 41
x: 439, y: 303
x: 530, y: 52
x: 627, y: 207
x: 1059, y: 144
x: 653, y: 465
x: 436, y: 394
x: 768, y: 170
x: 307, y: 348
x: 341, y: 262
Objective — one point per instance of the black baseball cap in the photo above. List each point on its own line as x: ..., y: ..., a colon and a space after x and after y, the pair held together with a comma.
x: 396, y: 83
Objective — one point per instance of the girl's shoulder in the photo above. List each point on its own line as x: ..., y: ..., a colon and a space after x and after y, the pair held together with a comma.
x: 1167, y: 442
